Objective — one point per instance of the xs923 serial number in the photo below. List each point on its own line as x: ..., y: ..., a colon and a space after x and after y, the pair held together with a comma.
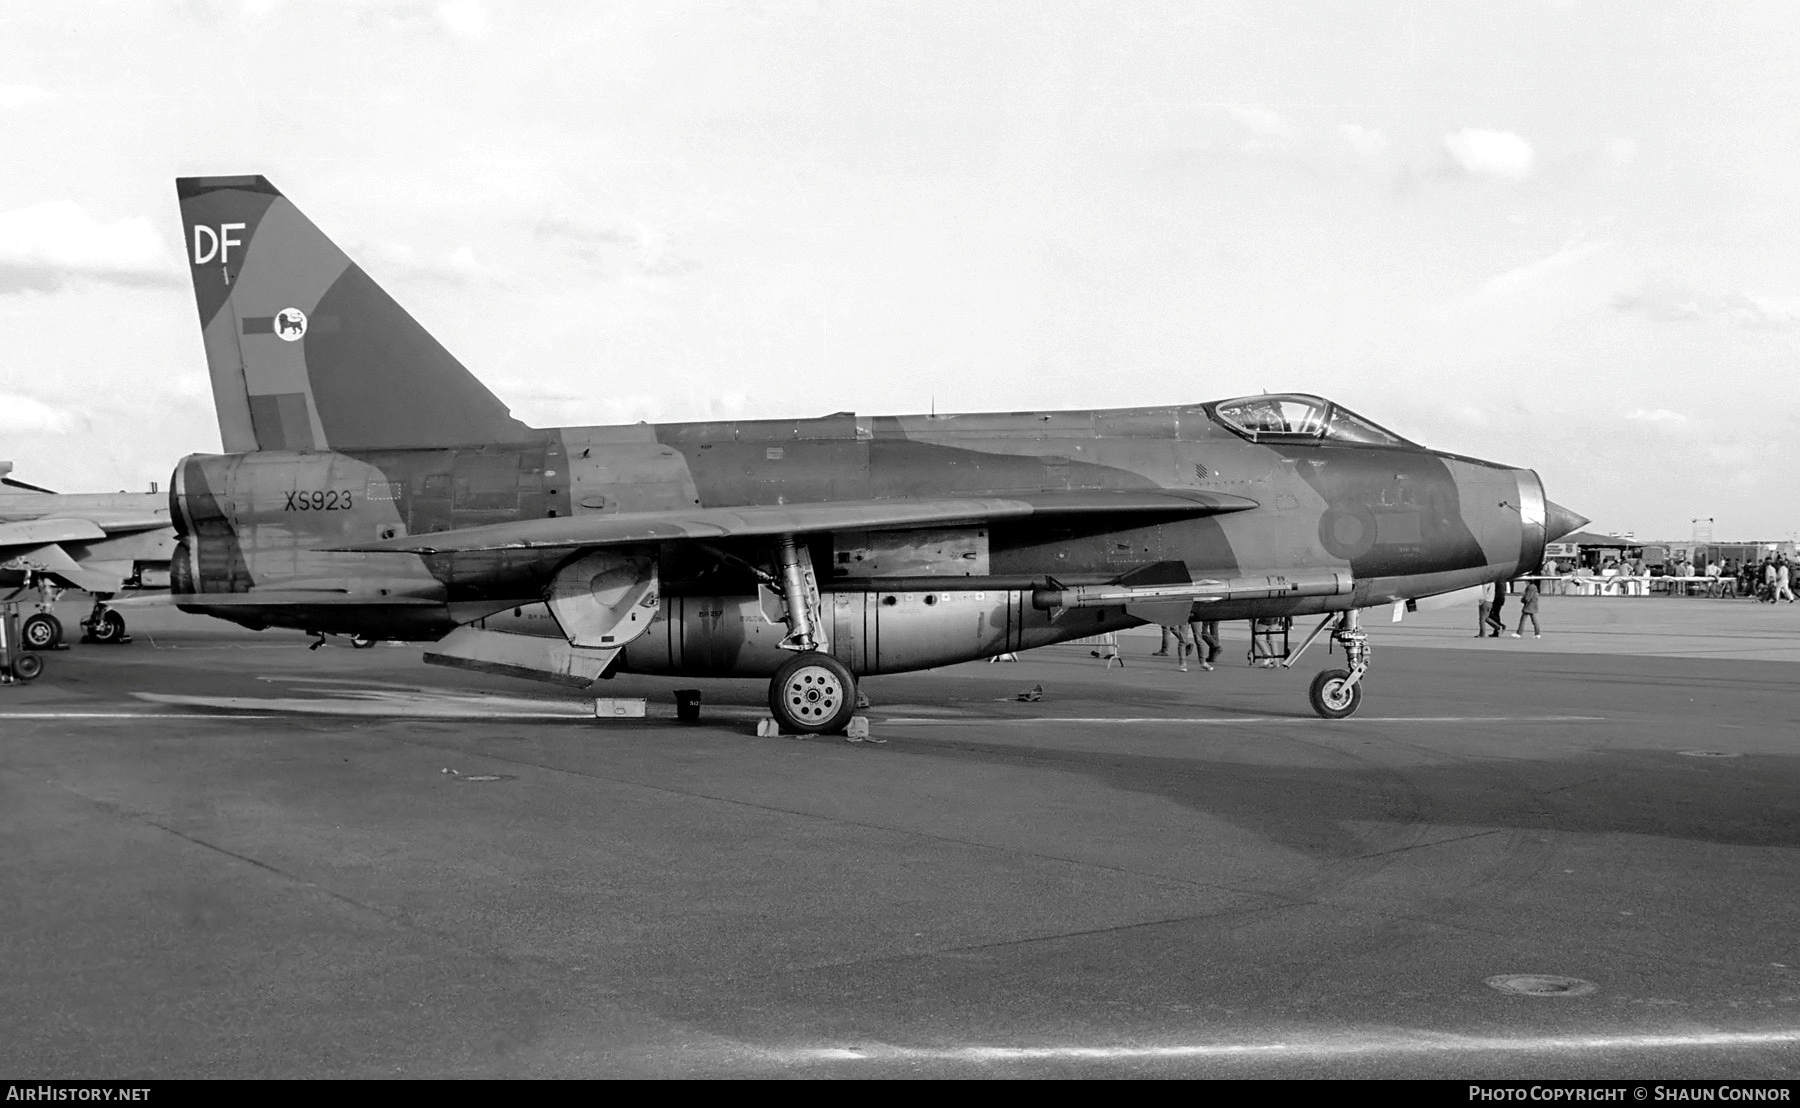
x: 319, y: 500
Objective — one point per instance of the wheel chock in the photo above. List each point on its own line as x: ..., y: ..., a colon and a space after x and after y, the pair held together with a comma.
x: 767, y: 728
x: 618, y: 708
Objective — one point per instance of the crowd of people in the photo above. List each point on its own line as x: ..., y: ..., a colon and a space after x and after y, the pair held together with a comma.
x: 1776, y: 583
x: 1198, y: 638
x: 1492, y: 602
x: 1770, y: 580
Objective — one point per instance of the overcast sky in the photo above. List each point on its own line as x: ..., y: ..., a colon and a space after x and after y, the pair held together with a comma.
x: 1557, y: 235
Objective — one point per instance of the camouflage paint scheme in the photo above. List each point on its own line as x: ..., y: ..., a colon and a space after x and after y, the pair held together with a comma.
x: 374, y: 487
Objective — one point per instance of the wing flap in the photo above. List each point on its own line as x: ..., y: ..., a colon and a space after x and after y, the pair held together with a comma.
x: 779, y: 519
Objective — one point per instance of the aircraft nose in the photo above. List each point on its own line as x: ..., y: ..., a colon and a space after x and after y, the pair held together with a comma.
x: 1560, y: 521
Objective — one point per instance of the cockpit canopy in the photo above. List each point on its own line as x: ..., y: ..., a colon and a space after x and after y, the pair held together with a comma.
x: 1297, y: 417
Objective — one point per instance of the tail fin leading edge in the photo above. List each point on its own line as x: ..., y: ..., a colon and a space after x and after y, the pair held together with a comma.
x: 305, y: 351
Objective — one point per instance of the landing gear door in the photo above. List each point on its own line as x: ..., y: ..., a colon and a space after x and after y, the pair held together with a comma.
x: 606, y: 598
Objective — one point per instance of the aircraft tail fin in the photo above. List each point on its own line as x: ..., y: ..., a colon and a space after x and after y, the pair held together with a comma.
x: 305, y: 351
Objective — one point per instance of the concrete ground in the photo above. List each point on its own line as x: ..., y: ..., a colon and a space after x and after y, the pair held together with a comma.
x: 224, y: 855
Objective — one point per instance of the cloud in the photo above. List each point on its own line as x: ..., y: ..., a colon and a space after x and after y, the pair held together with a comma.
x: 645, y: 248
x: 580, y: 230
x: 1263, y: 128
x: 1544, y: 270
x: 1656, y: 415
x: 47, y: 245
x: 1490, y: 155
x: 452, y: 267
x: 22, y: 96
x: 465, y: 19
x: 1667, y: 300
x: 1367, y: 143
x: 21, y: 415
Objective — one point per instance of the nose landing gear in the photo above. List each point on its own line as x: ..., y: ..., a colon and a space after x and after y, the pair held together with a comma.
x: 1338, y: 693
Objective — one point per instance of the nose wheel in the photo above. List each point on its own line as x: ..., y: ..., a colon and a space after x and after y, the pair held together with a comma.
x: 812, y: 693
x: 1333, y: 696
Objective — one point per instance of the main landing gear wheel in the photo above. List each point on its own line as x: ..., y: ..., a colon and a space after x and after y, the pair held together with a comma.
x: 26, y: 667
x: 361, y: 642
x: 107, y: 627
x: 1332, y: 696
x: 812, y: 693
x: 41, y: 631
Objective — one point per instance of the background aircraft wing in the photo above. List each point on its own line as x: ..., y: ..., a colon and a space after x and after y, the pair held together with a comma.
x: 126, y: 522
x: 778, y: 519
x: 264, y: 598
x: 37, y: 532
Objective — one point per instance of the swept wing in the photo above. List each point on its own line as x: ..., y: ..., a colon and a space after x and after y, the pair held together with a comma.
x: 779, y: 519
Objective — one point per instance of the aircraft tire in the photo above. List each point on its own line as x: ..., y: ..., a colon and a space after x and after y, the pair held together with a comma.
x: 41, y: 631
x: 813, y: 694
x: 107, y: 627
x: 361, y: 642
x: 1330, y: 699
x: 26, y: 667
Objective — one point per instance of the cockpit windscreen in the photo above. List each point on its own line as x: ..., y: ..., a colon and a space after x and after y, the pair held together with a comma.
x: 1292, y: 417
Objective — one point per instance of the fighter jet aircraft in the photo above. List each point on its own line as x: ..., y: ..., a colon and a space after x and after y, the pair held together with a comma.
x: 97, y: 542
x: 374, y: 488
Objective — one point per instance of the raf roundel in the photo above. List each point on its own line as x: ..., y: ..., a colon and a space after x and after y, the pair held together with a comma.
x: 290, y: 324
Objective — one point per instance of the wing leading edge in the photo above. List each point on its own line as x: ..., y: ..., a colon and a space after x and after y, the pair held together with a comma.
x: 793, y: 519
x: 89, y: 528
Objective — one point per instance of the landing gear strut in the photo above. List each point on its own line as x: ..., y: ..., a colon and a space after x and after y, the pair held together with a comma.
x: 812, y: 693
x: 801, y: 596
x: 1337, y: 693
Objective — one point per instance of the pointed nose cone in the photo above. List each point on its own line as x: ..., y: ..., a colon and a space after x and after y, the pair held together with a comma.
x: 1559, y: 521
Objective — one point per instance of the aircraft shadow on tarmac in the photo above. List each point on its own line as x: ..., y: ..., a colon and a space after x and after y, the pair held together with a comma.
x: 1751, y: 801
